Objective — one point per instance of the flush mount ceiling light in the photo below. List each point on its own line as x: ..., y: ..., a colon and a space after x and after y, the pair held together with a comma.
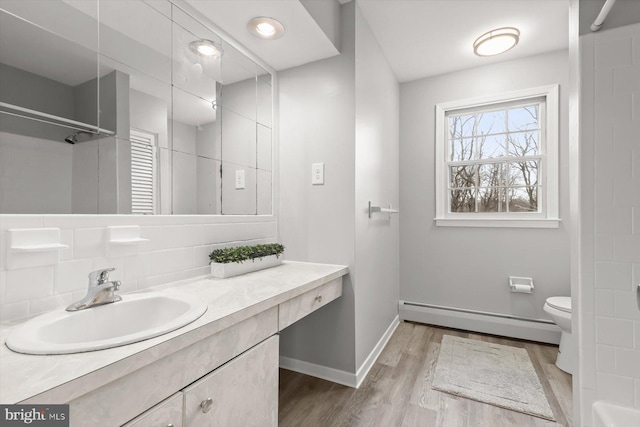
x: 265, y: 28
x: 496, y: 41
x: 205, y: 48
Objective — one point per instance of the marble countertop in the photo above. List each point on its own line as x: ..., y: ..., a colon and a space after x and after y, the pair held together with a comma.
x: 54, y: 379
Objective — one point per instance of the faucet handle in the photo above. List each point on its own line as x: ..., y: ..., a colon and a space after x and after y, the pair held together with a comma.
x: 99, y: 277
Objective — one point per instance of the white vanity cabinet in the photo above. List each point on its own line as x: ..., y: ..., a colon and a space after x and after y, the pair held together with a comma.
x: 242, y: 393
x: 164, y: 414
x: 221, y: 370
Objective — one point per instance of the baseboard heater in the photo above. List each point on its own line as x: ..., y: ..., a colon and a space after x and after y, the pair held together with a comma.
x: 540, y: 330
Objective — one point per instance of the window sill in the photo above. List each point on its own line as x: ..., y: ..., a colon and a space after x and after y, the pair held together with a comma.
x: 498, y: 223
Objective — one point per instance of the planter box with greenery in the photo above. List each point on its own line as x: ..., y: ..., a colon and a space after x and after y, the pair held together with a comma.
x: 229, y: 262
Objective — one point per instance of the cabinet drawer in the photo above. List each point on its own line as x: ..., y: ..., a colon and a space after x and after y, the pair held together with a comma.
x: 295, y: 309
x: 164, y: 414
x: 243, y: 392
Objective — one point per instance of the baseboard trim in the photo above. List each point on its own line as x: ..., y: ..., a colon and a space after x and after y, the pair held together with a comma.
x: 364, y: 369
x: 319, y: 371
x: 336, y: 375
x: 489, y: 323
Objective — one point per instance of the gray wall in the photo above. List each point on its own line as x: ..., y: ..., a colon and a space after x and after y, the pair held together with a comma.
x: 184, y: 174
x: 469, y: 267
x: 338, y: 112
x: 624, y: 12
x: 377, y: 274
x: 317, y: 124
x: 28, y: 90
x: 35, y: 175
x: 327, y: 15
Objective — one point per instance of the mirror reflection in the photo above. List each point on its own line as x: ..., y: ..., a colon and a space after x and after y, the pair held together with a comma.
x: 146, y: 111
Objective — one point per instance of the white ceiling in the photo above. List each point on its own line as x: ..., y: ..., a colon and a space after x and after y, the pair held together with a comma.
x: 420, y: 38
x: 303, y: 41
x: 423, y: 38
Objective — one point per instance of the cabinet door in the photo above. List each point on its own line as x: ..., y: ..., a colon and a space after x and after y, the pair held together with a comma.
x: 165, y: 414
x: 243, y: 392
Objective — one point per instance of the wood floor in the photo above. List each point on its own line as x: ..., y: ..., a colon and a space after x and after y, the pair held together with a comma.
x: 397, y: 391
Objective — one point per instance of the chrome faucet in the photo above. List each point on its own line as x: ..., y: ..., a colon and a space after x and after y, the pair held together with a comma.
x: 101, y: 291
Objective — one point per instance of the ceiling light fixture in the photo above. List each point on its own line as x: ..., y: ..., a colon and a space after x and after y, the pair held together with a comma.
x: 265, y: 28
x: 205, y: 48
x: 496, y: 41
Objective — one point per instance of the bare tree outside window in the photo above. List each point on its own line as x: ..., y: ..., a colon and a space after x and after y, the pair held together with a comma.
x: 494, y: 160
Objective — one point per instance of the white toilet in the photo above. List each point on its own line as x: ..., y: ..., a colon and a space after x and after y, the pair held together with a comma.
x: 559, y: 309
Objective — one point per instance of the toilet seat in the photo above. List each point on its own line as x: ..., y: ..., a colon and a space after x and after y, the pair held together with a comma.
x: 560, y: 303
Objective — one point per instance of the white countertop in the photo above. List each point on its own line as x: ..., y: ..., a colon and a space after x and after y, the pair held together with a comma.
x: 61, y: 378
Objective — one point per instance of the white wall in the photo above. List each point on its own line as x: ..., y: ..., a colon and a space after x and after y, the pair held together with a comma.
x: 317, y: 125
x: 469, y: 267
x: 610, y: 218
x: 376, y: 272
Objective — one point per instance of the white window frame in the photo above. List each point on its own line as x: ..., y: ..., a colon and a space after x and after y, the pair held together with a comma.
x: 152, y: 139
x: 548, y: 216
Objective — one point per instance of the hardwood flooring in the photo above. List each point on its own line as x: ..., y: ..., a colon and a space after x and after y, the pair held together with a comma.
x: 397, y: 391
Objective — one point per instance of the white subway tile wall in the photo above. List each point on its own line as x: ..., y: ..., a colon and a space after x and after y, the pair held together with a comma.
x: 178, y: 249
x: 611, y: 218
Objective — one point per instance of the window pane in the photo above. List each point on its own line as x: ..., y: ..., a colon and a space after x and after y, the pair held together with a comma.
x: 462, y: 149
x: 523, y: 144
x: 491, y: 122
x: 491, y: 200
x: 461, y: 126
x: 523, y: 173
x: 463, y: 200
x: 462, y: 176
x: 523, y: 118
x: 492, y: 175
x: 523, y: 199
x: 491, y: 146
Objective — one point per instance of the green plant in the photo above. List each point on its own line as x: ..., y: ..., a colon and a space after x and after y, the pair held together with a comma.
x: 244, y: 253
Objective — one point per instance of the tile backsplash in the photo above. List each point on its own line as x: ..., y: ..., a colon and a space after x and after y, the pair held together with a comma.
x: 176, y: 248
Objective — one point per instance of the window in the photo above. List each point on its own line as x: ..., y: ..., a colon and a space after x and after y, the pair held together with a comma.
x: 497, y: 160
x: 143, y: 172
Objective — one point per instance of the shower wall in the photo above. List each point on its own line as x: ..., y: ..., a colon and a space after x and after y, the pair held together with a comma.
x: 609, y: 326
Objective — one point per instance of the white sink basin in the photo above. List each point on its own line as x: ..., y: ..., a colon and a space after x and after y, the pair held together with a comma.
x: 137, y: 317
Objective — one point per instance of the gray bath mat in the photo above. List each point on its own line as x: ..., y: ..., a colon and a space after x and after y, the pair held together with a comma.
x: 491, y: 373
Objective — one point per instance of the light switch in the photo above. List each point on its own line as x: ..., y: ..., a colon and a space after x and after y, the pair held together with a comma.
x: 240, y: 179
x: 317, y: 174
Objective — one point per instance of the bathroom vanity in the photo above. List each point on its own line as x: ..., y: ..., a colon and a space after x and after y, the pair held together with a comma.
x: 221, y: 369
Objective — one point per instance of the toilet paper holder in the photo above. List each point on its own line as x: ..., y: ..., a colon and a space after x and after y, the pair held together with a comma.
x: 523, y: 285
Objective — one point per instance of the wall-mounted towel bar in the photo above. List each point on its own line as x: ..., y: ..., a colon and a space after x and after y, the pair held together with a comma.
x: 390, y: 210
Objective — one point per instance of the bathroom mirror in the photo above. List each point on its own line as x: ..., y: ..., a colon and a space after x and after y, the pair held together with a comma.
x: 144, y: 111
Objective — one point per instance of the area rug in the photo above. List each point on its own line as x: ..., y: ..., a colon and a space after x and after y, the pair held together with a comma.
x: 496, y: 374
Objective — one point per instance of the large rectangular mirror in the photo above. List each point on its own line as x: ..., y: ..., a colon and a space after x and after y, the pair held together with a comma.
x: 128, y: 107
